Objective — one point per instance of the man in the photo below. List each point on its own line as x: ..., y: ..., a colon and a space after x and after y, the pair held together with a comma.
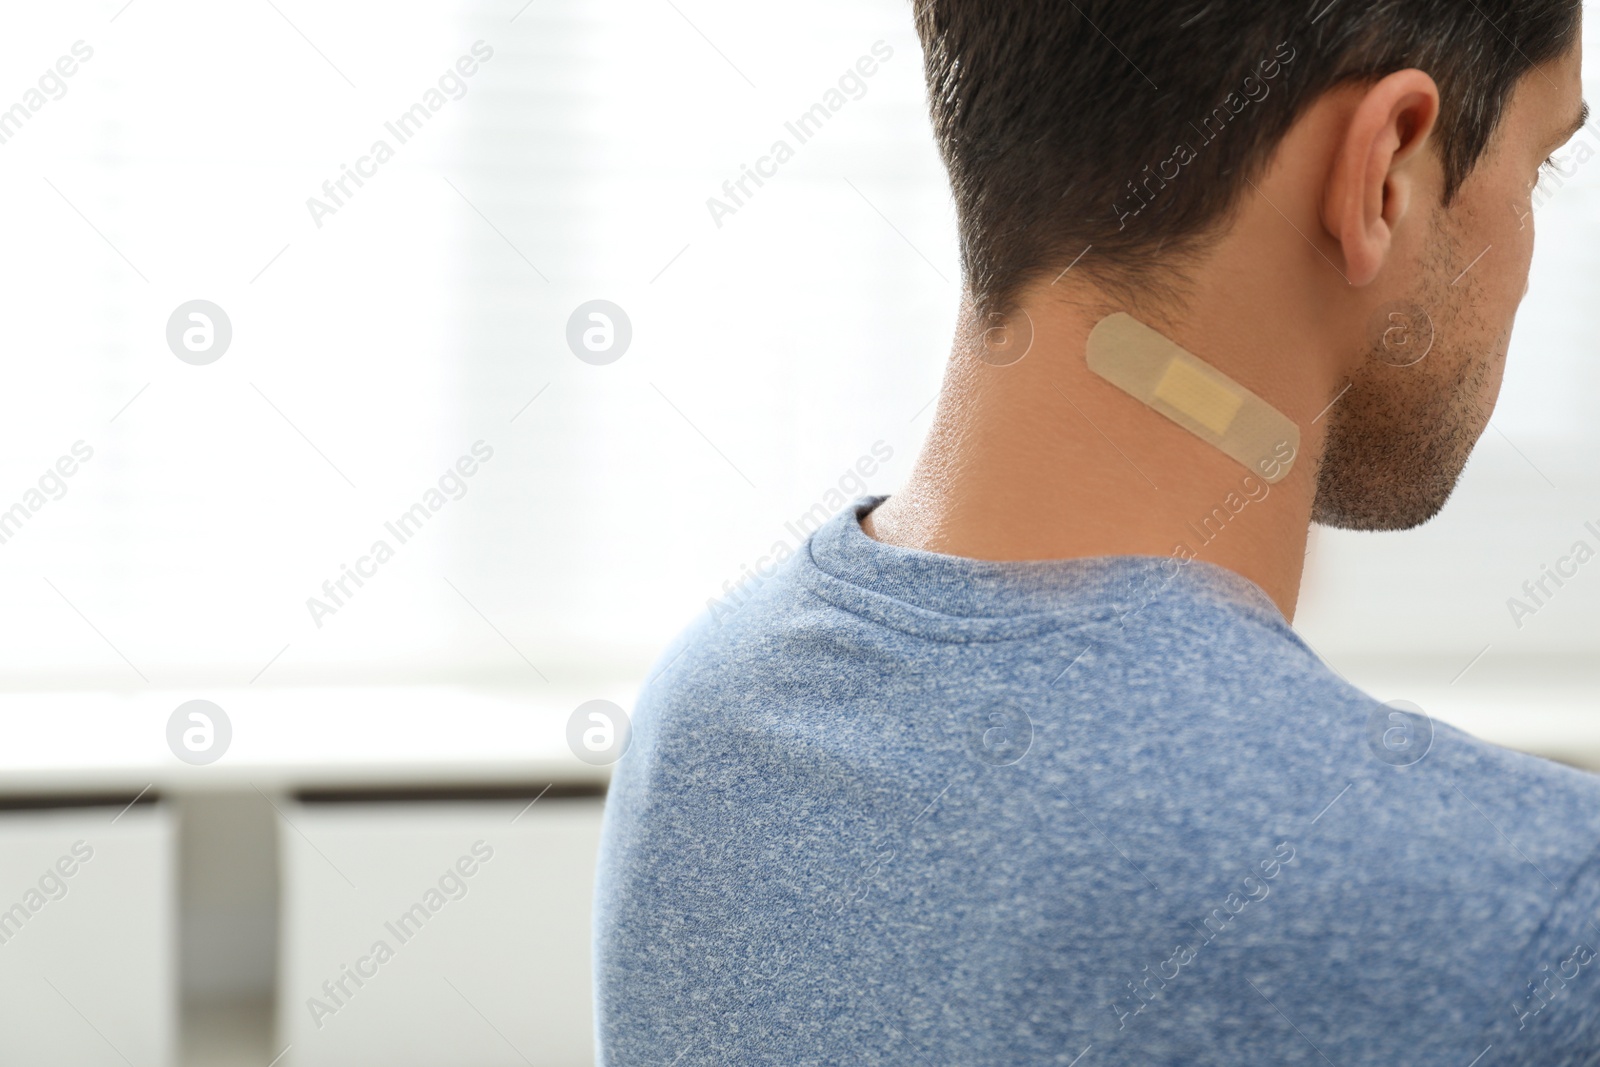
x: 1025, y: 764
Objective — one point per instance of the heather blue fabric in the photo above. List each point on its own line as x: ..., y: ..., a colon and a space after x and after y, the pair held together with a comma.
x: 909, y: 809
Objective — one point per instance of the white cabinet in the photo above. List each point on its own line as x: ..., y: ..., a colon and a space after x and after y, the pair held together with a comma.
x: 437, y: 933
x: 87, y: 974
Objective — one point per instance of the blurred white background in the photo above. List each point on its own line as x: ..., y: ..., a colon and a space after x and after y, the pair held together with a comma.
x: 772, y: 349
x: 769, y: 352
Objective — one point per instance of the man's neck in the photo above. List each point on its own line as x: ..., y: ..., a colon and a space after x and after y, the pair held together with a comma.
x: 1042, y: 459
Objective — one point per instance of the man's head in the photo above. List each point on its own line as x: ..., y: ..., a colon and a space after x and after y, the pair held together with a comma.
x: 1440, y: 300
x: 1124, y: 137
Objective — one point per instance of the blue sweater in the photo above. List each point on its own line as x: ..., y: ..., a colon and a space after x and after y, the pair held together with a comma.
x: 910, y: 809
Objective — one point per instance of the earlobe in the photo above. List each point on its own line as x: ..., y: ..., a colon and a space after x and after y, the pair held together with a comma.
x: 1370, y: 187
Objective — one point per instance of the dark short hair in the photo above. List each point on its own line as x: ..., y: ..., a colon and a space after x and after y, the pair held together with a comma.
x: 1133, y: 125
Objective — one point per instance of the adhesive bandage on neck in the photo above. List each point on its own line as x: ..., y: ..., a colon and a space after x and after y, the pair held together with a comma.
x: 1153, y: 370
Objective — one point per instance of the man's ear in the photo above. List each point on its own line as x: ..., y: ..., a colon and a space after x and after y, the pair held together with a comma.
x: 1370, y: 186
